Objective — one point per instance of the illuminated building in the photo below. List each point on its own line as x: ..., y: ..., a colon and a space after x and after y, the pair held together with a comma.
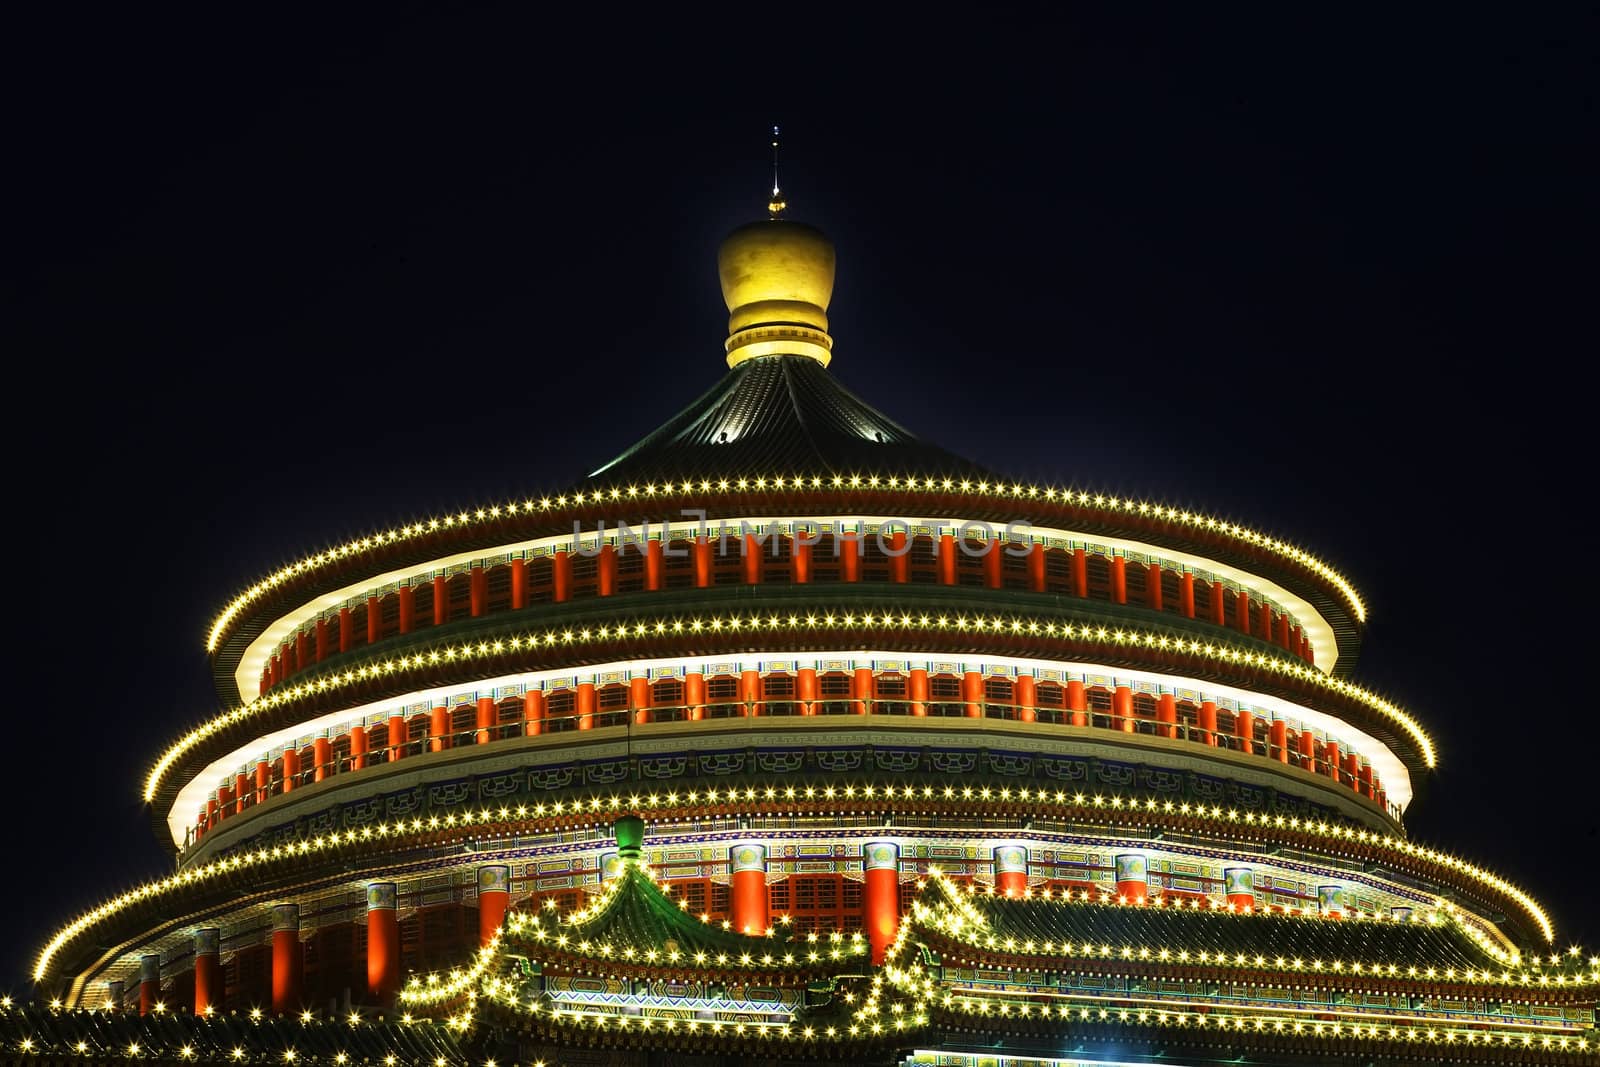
x: 786, y: 734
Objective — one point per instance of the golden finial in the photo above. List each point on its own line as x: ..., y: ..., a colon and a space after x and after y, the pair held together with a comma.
x: 777, y: 279
x: 777, y: 204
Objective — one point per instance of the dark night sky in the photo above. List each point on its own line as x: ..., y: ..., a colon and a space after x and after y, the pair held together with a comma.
x: 285, y: 281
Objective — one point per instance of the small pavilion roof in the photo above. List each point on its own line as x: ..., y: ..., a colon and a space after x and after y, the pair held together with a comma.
x: 636, y: 918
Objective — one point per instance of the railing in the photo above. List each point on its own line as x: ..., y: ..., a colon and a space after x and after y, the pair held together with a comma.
x: 257, y: 791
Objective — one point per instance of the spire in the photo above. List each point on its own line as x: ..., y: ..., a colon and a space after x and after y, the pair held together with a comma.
x: 776, y: 205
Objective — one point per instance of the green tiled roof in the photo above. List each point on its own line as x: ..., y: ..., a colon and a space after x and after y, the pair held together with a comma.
x: 781, y: 414
x: 1266, y: 934
x: 638, y: 915
x: 54, y: 1034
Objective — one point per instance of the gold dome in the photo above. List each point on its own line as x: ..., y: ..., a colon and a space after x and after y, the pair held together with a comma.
x: 777, y: 279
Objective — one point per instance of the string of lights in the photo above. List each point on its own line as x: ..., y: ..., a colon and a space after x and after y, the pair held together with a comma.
x: 1094, y: 505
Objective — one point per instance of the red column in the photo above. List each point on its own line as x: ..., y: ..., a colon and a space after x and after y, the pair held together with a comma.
x: 322, y: 640
x: 1283, y: 631
x: 1077, y: 703
x: 407, y: 598
x: 291, y: 768
x: 533, y: 712
x: 441, y: 599
x: 1264, y: 621
x: 972, y: 693
x: 1296, y: 643
x: 224, y: 801
x: 881, y: 895
x: 1365, y: 777
x: 383, y: 941
x: 321, y: 757
x: 750, y: 560
x: 1352, y: 770
x: 561, y: 575
x: 1152, y: 586
x: 487, y: 713
x: 207, y: 969
x: 478, y: 589
x: 899, y: 558
x: 1239, y: 886
x: 1119, y: 580
x: 1219, y: 607
x: 947, y: 559
x: 750, y: 692
x: 850, y: 556
x: 1122, y: 709
x: 800, y: 558
x: 439, y: 729
x: 639, y: 697
x: 654, y: 560
x: 917, y: 691
x: 1010, y: 870
x: 1080, y: 573
x: 374, y: 621
x: 606, y: 571
x: 358, y: 747
x: 286, y: 958
x: 1036, y: 580
x: 748, y: 862
x: 1330, y: 758
x: 1133, y: 882
x: 519, y: 584
x: 1208, y: 722
x: 1244, y: 728
x: 397, y: 738
x: 694, y: 695
x: 861, y: 689
x: 213, y: 813
x: 993, y: 560
x: 1186, y: 594
x: 1241, y: 611
x: 1167, y: 715
x: 494, y: 895
x: 263, y: 781
x: 702, y: 562
x: 805, y: 687
x: 241, y: 786
x: 302, y: 650
x: 586, y: 705
x: 1026, y: 695
x: 346, y: 630
x: 1330, y: 901
x: 149, y: 983
x: 1308, y: 750
x: 1278, y: 738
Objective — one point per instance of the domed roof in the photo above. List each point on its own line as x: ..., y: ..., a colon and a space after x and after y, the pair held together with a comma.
x: 783, y: 414
x: 778, y: 410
